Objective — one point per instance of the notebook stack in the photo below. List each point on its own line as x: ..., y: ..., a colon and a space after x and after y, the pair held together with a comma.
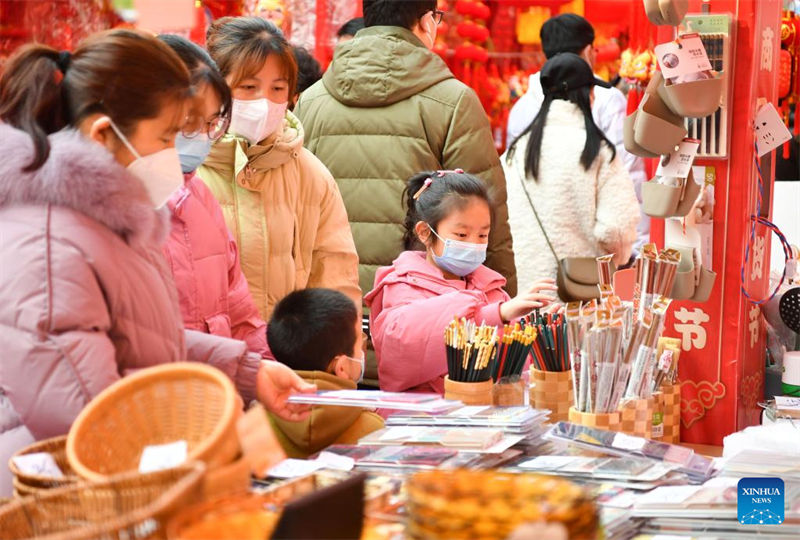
x: 710, y: 511
x: 697, y: 468
x: 523, y: 423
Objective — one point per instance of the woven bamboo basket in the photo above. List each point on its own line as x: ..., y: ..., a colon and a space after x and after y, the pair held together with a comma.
x: 671, y: 401
x: 608, y: 421
x: 129, y: 506
x: 160, y: 405
x: 552, y: 390
x: 29, y: 484
x: 637, y: 417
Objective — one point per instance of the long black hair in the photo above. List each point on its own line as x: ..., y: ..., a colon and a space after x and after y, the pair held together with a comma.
x: 446, y: 191
x: 594, y: 135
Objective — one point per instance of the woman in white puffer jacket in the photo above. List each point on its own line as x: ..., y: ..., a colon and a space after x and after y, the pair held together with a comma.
x: 565, y: 168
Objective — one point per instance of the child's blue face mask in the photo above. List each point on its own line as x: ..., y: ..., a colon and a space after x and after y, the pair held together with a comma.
x: 459, y: 258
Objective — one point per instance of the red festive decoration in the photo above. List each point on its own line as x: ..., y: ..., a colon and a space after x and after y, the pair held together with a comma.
x: 474, y: 9
x: 472, y: 31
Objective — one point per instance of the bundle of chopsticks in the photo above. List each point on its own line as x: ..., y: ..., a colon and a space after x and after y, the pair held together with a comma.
x: 612, y: 345
x: 550, y: 348
x: 470, y: 350
x: 513, y: 350
x: 655, y: 276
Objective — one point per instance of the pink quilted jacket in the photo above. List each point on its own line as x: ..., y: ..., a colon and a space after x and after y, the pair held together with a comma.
x: 202, y: 254
x: 410, y: 307
x: 85, y: 294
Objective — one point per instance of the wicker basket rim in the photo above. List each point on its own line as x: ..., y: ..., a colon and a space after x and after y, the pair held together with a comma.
x: 194, y: 473
x: 128, y: 384
x: 39, y: 446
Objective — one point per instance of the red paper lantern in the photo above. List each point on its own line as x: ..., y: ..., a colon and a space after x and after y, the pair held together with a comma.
x: 472, y: 31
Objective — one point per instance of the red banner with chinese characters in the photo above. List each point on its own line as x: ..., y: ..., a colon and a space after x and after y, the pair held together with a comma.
x: 723, y: 340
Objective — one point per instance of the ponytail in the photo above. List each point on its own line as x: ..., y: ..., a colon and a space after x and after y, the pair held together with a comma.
x: 125, y: 74
x: 594, y: 135
x: 31, y: 97
x: 432, y: 195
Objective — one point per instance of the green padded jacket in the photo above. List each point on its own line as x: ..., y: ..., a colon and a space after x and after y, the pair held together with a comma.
x: 386, y: 109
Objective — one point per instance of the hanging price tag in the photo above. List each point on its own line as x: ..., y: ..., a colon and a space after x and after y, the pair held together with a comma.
x: 679, y: 162
x: 685, y: 56
x: 771, y: 132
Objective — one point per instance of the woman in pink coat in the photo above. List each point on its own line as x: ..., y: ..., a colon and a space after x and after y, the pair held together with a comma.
x: 202, y: 254
x: 416, y: 298
x: 85, y: 294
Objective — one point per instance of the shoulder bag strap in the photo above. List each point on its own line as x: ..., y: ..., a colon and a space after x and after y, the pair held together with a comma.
x: 541, y: 226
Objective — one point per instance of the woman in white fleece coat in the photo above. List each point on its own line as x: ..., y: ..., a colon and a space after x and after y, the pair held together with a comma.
x: 578, y: 186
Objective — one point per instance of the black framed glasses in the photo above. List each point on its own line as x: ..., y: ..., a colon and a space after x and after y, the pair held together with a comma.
x: 438, y: 15
x: 214, y: 128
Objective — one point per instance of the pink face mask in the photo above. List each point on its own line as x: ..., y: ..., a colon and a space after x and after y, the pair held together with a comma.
x: 256, y: 119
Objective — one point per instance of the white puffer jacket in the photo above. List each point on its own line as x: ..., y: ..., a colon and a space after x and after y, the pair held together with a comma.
x: 586, y: 213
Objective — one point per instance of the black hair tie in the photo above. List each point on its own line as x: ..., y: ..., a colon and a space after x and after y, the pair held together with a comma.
x: 64, y: 58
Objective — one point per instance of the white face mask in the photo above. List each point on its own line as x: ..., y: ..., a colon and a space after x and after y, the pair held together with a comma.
x: 256, y: 119
x: 360, y: 362
x: 160, y: 172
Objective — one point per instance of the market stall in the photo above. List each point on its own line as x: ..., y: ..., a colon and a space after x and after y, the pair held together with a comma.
x: 577, y: 423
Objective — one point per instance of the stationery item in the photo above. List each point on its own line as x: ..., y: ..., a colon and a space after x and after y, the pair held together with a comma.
x: 514, y: 348
x: 550, y: 346
x: 470, y: 351
x: 552, y: 390
x: 682, y: 57
x: 469, y: 393
x: 696, y: 467
x: 678, y: 164
x: 509, y: 391
x: 294, y: 468
x: 637, y: 416
x: 481, y: 440
x: 671, y: 404
x: 606, y: 421
x: 430, y: 403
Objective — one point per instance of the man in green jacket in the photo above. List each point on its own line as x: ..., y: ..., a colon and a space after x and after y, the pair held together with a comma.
x: 388, y: 108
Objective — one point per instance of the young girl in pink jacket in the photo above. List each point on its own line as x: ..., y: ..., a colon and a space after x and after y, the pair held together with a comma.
x: 416, y: 298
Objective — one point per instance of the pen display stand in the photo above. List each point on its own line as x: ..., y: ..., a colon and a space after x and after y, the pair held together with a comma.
x: 637, y: 417
x: 607, y: 421
x: 552, y: 390
x: 671, y: 401
x: 509, y: 392
x: 469, y: 393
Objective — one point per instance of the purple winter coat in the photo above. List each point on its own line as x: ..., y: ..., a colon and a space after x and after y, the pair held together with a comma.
x: 85, y: 293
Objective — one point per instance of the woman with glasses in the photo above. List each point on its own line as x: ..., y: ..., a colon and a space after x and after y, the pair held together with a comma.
x: 213, y: 292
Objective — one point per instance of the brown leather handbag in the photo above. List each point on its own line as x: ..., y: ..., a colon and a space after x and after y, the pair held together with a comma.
x: 578, y: 277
